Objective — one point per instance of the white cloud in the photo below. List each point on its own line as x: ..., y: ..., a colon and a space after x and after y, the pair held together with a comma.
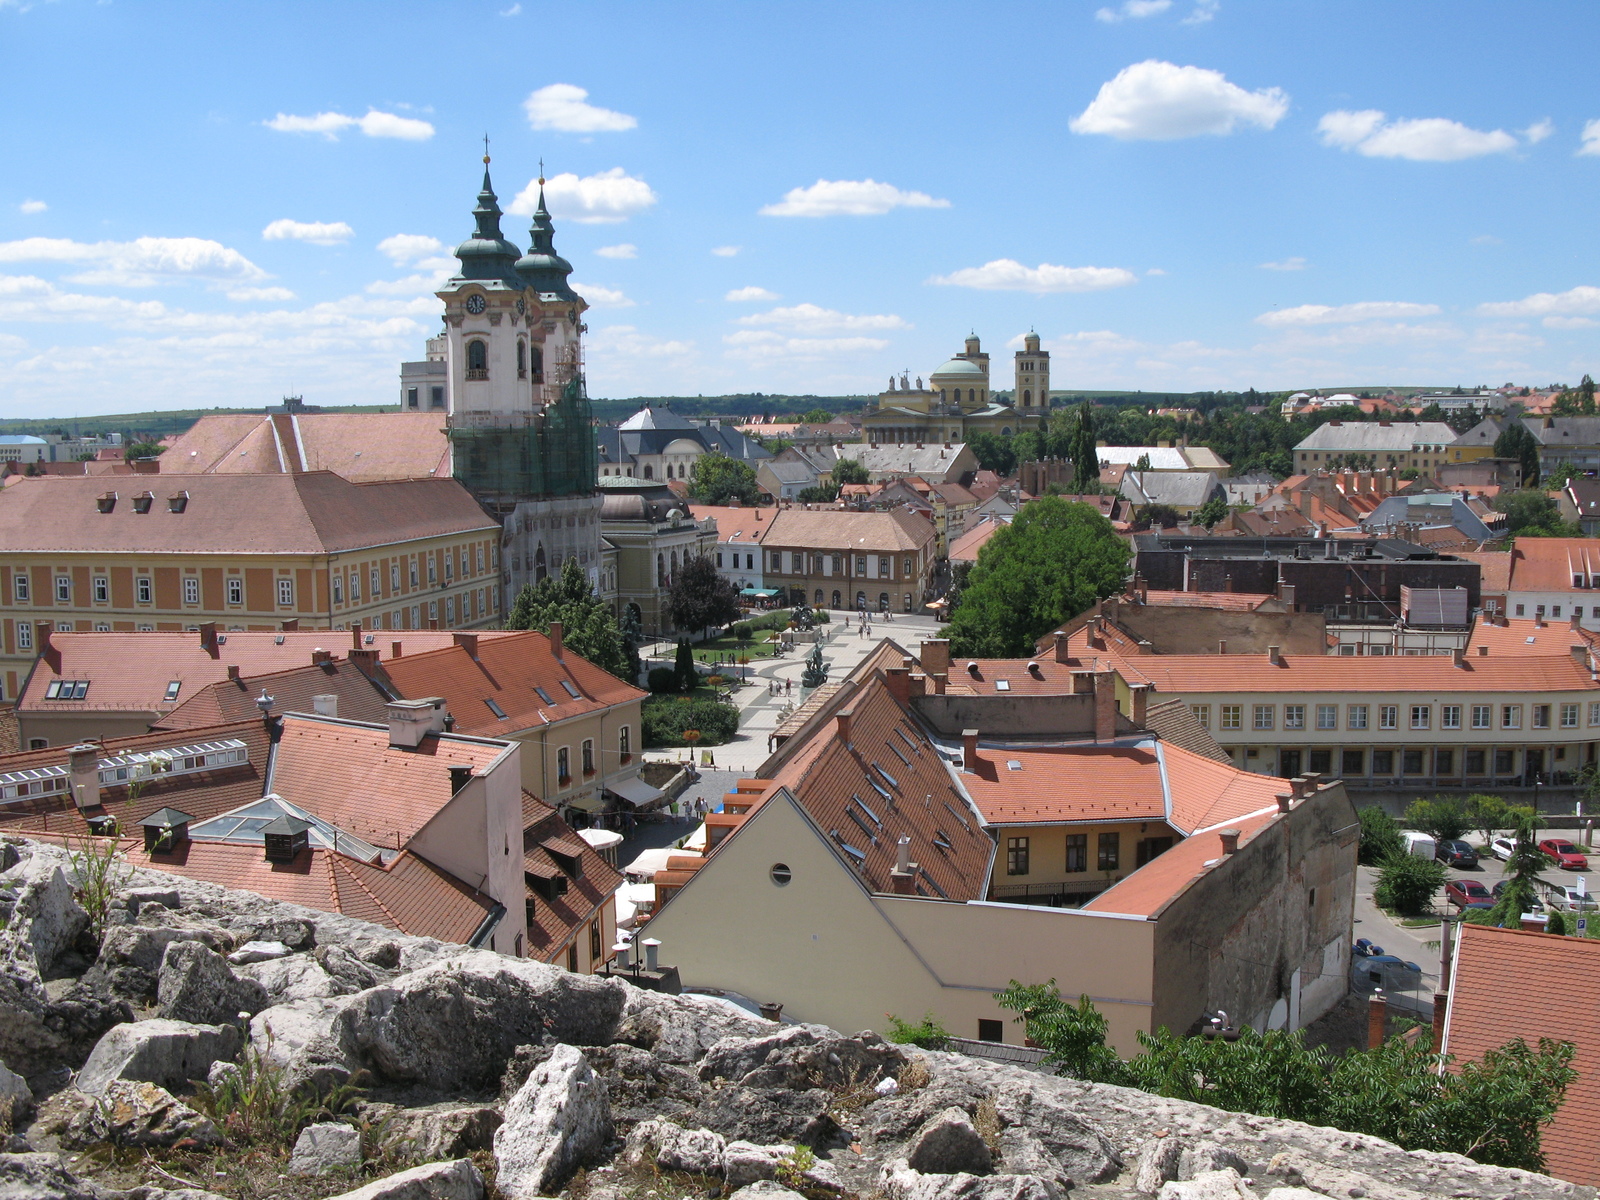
x: 514, y: 11
x: 764, y: 345
x: 1155, y: 271
x: 848, y: 198
x: 1159, y: 101
x: 142, y: 262
x: 318, y: 233
x: 1576, y: 301
x: 726, y: 251
x: 1204, y: 10
x: 564, y: 107
x: 404, y: 248
x: 410, y: 285
x: 374, y: 124
x: 1008, y: 275
x: 1569, y: 323
x: 810, y: 318
x: 1590, y: 138
x: 11, y: 344
x: 601, y: 297
x: 622, y: 250
x: 1344, y: 314
x: 1289, y: 264
x: 29, y: 208
x: 1538, y: 131
x: 600, y: 199
x: 1132, y: 9
x: 1427, y: 139
x: 745, y: 294
x: 260, y: 294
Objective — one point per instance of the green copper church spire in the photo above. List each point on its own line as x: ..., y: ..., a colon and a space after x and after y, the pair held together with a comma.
x: 544, y: 270
x: 487, y: 254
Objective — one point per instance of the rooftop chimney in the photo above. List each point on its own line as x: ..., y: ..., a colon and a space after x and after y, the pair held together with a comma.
x: 460, y: 776
x: 843, y: 720
x: 1140, y: 703
x: 48, y: 650
x: 555, y: 639
x: 1285, y: 801
x: 412, y: 720
x: 899, y: 681
x: 292, y: 625
x: 233, y: 672
x: 325, y: 705
x: 1459, y: 655
x: 651, y: 947
x: 1222, y: 647
x: 1062, y: 649
x: 903, y: 879
x: 1377, y: 1019
x: 969, y: 750
x: 1274, y: 656
x: 1105, y: 705
x: 1286, y: 592
x: 319, y: 656
x: 936, y: 656
x: 355, y: 635
x: 83, y: 762
x: 394, y: 649
x: 469, y: 643
x: 1230, y: 841
x: 208, y: 638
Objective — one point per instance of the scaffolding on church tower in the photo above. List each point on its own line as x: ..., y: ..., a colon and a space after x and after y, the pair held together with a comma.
x: 548, y: 453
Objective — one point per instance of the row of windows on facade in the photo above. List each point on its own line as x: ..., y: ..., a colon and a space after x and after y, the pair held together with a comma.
x: 435, y: 398
x: 1555, y: 609
x: 527, y: 361
x: 820, y: 564
x: 144, y: 586
x: 475, y: 606
x: 1108, y: 853
x: 649, y: 472
x: 587, y: 756
x: 1420, y: 716
x: 1417, y: 760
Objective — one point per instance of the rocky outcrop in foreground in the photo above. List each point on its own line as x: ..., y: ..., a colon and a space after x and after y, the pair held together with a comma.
x: 558, y: 1083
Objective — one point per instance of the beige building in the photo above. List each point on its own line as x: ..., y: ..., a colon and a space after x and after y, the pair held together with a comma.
x: 653, y: 533
x: 244, y: 551
x: 891, y: 858
x: 1376, y: 445
x: 877, y: 561
x: 957, y: 401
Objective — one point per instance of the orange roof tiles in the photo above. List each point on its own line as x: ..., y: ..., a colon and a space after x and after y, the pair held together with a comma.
x: 1491, y: 1003
x: 359, y: 446
x: 1161, y: 880
x: 1549, y: 564
x: 1066, y: 783
x: 1520, y: 637
x: 967, y: 547
x: 1494, y: 569
x: 557, y: 921
x: 1235, y: 601
x: 893, y: 531
x: 293, y: 690
x: 736, y: 524
x: 350, y: 776
x: 506, y: 670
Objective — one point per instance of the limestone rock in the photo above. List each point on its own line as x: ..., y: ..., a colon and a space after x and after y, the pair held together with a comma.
x: 802, y: 1056
x: 745, y: 1163
x: 440, y: 1130
x: 763, y: 1189
x: 558, y: 1120
x: 130, y: 956
x: 38, y: 1033
x: 46, y: 918
x: 674, y: 1148
x: 326, y: 1147
x: 1023, y: 1154
x: 1208, y: 1185
x: 169, y: 1053
x: 1158, y: 1163
x: 297, y: 977
x: 1082, y: 1149
x: 142, y: 1114
x: 197, y: 985
x: 680, y: 1029
x: 288, y: 931
x: 33, y: 1176
x: 899, y: 1182
x: 16, y: 1098
x: 350, y: 972
x: 1297, y: 1169
x: 138, y: 898
x: 452, y: 1025
x: 309, y: 1039
x: 641, y: 1086
x: 254, y: 952
x: 1209, y: 1156
x: 458, y: 1180
x: 949, y: 1144
x: 1293, y: 1193
x: 769, y: 1115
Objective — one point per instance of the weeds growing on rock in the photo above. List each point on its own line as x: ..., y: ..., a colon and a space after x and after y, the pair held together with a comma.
x: 986, y: 1119
x: 253, y: 1106
x: 914, y: 1075
x: 97, y: 873
x: 793, y: 1166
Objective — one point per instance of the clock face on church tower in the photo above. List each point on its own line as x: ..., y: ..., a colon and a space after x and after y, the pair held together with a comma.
x: 476, y: 304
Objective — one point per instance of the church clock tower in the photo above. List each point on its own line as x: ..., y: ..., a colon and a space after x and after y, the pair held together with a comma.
x: 518, y: 416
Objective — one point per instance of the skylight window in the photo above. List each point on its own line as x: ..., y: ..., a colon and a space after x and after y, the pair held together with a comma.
x: 173, y: 689
x: 1013, y: 764
x: 865, y: 809
x: 1002, y: 685
x: 898, y: 753
x: 571, y: 691
x: 880, y: 789
x: 894, y: 783
x: 858, y: 856
x: 544, y: 695
x: 934, y: 884
x: 862, y: 825
x: 496, y: 709
x: 67, y: 689
x: 942, y: 840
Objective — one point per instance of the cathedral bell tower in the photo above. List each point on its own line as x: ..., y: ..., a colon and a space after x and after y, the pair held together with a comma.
x: 1033, y: 377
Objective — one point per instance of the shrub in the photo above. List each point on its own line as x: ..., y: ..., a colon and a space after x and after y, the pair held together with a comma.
x: 1380, y: 835
x: 665, y: 720
x: 743, y: 631
x: 684, y: 666
x: 927, y: 1033
x: 1407, y: 884
x: 1443, y: 817
x: 662, y: 679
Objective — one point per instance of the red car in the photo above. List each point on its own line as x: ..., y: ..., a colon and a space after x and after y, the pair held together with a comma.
x: 1462, y: 892
x: 1564, y: 854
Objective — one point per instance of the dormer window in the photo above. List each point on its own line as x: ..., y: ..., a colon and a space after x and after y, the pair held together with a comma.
x: 178, y: 503
x: 142, y: 502
x: 107, y: 502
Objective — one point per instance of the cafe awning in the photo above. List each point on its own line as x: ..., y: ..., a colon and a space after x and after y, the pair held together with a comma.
x: 637, y: 793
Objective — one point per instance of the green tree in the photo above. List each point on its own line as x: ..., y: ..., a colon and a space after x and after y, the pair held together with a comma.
x: 1524, y: 872
x: 588, y: 626
x: 849, y: 470
x: 1531, y: 513
x: 717, y: 479
x: 1408, y: 884
x: 825, y: 492
x: 1380, y: 835
x: 1055, y: 559
x: 1212, y: 511
x: 1083, y: 452
x: 815, y: 416
x: 1443, y: 818
x: 993, y: 452
x: 1518, y: 443
x: 632, y: 636
x: 1491, y: 1110
x: 701, y: 596
x: 683, y: 667
x: 1487, y: 814
x: 1162, y: 516
x: 142, y: 450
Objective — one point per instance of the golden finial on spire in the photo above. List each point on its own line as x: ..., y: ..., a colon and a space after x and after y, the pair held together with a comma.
x: 486, y: 149
x: 541, y: 172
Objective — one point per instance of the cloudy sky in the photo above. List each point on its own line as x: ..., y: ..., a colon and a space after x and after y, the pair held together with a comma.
x: 212, y: 204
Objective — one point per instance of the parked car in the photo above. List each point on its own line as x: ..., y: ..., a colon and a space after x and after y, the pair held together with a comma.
x: 1384, y: 971
x: 1569, y: 899
x: 1564, y: 854
x: 1420, y: 844
x: 1503, y: 848
x: 1453, y: 852
x: 1365, y: 948
x: 1462, y: 892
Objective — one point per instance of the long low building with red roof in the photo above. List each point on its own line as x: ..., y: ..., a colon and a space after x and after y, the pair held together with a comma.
x: 910, y: 849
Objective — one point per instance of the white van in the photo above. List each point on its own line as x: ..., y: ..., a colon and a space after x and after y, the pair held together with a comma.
x: 1420, y: 844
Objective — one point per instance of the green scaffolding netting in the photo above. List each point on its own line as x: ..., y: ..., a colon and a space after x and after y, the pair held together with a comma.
x: 554, y: 455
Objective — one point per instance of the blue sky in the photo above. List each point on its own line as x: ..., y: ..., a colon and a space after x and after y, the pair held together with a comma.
x: 209, y: 204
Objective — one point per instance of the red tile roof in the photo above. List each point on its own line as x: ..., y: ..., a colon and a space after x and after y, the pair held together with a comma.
x: 556, y: 922
x: 1548, y: 564
x: 506, y: 670
x: 745, y: 524
x: 967, y: 547
x: 359, y: 446
x: 1494, y: 569
x: 1491, y: 1003
x: 1234, y: 601
x: 292, y: 691
x: 853, y: 532
x: 1156, y: 884
x: 350, y: 776
x: 1521, y: 637
x: 314, y: 513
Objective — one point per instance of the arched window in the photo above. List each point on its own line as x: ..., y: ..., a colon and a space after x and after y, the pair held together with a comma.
x: 539, y: 571
x: 536, y: 363
x: 819, y: 598
x: 908, y: 601
x: 674, y: 574
x: 661, y: 570
x: 836, y: 599
x: 861, y: 601
x: 649, y: 471
x: 1027, y: 398
x: 883, y: 601
x: 477, y: 359
x: 522, y: 358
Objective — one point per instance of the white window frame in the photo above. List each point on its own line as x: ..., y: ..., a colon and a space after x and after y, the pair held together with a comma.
x: 1264, y: 716
x: 1294, y: 716
x: 1232, y: 716
x: 191, y: 589
x: 63, y: 589
x: 24, y: 635
x: 235, y: 590
x: 285, y: 592
x: 1511, y: 716
x: 1422, y: 716
x: 143, y: 589
x: 1450, y: 716
x: 21, y: 588
x: 101, y: 589
x: 1202, y: 715
x: 1327, y: 716
x: 1569, y: 710
x: 1358, y: 716
x: 1388, y: 716
x: 1483, y: 716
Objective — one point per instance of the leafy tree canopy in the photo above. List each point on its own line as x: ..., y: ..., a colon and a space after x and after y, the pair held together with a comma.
x: 1212, y: 511
x: 701, y: 596
x: 1055, y: 559
x: 588, y: 627
x: 1533, y: 514
x: 717, y: 479
x: 849, y: 470
x: 1380, y: 835
x: 142, y: 450
x: 816, y: 416
x: 1518, y: 443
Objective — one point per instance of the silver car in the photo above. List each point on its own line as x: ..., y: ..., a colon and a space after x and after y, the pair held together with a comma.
x: 1503, y: 848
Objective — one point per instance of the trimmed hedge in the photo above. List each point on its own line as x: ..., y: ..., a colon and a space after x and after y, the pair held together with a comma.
x: 666, y: 717
x: 662, y: 679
